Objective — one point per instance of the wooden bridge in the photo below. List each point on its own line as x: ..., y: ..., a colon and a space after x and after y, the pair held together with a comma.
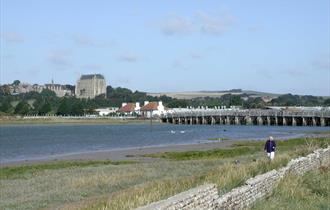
x: 248, y: 117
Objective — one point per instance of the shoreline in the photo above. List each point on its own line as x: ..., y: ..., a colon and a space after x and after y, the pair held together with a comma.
x: 136, y: 153
x: 124, y: 154
x: 10, y: 120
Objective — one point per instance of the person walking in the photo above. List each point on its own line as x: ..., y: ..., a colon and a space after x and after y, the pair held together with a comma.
x: 270, y: 148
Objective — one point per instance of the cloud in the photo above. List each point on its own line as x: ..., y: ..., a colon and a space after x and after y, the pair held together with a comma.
x: 7, y: 56
x: 264, y: 73
x: 179, y: 64
x: 214, y: 25
x: 13, y: 37
x: 200, y: 21
x: 128, y: 57
x: 253, y: 29
x: 176, y: 25
x: 59, y: 58
x: 321, y: 64
x: 195, y: 55
x: 294, y: 72
x: 85, y: 41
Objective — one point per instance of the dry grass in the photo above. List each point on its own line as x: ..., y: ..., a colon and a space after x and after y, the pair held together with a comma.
x: 311, y: 191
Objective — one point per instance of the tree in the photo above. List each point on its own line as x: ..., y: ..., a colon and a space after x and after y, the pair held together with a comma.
x: 22, y: 108
x: 326, y: 102
x: 6, y: 106
x: 45, y: 93
x: 16, y: 82
x: 64, y: 107
x: 45, y: 109
x: 77, y: 108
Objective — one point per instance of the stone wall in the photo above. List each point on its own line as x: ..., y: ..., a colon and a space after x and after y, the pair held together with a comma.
x: 258, y: 187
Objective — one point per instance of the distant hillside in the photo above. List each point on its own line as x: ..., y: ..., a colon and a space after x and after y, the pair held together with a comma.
x: 214, y: 94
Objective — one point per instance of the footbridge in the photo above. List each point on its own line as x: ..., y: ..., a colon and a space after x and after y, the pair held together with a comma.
x: 248, y: 117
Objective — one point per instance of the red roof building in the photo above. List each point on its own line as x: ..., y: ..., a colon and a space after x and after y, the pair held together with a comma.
x: 128, y: 108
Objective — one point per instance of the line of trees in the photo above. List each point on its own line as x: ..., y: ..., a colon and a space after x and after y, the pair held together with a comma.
x: 47, y: 102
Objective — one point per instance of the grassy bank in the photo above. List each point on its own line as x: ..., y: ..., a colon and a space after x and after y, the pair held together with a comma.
x: 108, y: 185
x: 52, y: 120
x: 310, y: 191
x: 243, y: 148
x: 25, y: 171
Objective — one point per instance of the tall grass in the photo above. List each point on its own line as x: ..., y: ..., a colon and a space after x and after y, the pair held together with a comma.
x: 311, y: 191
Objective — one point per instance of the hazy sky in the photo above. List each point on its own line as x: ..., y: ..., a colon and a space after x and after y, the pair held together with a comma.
x: 174, y: 45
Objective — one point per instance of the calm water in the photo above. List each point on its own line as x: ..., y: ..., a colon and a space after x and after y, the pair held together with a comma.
x: 25, y: 142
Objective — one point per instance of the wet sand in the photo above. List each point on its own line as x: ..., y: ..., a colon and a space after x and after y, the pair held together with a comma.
x: 133, y: 154
x: 136, y: 154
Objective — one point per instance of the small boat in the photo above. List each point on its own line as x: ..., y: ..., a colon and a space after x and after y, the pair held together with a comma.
x: 182, y: 131
x: 172, y: 131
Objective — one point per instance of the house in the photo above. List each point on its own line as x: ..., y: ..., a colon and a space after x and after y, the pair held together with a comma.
x: 152, y: 109
x: 130, y: 108
x: 106, y: 111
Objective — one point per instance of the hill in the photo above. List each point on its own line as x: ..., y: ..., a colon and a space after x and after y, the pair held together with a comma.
x: 213, y: 94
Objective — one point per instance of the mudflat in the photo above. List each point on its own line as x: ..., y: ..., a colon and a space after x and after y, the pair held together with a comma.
x: 134, y: 154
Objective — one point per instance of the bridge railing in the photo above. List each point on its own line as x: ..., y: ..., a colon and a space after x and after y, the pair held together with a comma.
x: 243, y: 113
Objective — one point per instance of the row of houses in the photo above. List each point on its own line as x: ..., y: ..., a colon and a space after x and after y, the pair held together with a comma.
x: 149, y: 109
x: 87, y: 86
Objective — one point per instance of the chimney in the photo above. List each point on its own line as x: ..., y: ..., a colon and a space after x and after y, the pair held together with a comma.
x: 137, y: 105
x: 146, y: 102
x: 123, y: 104
x: 160, y: 103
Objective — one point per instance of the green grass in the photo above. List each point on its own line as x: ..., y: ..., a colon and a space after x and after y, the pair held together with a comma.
x: 26, y: 171
x: 216, y: 153
x: 310, y: 191
x: 243, y: 148
x: 218, y: 139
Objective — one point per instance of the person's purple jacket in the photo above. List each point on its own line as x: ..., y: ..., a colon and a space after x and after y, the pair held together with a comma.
x: 270, y: 146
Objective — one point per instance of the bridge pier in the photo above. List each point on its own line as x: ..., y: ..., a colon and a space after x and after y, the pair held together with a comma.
x: 212, y: 120
x: 227, y: 120
x: 294, y: 122
x: 248, y: 120
x: 268, y: 120
x: 313, y: 121
x: 259, y: 121
x: 322, y: 121
x: 304, y: 121
x: 237, y: 122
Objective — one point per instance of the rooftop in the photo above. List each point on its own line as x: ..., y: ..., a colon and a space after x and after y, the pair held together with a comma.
x: 150, y: 106
x: 127, y: 108
x: 91, y: 76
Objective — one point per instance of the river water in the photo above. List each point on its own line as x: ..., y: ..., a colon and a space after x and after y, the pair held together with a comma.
x: 27, y: 142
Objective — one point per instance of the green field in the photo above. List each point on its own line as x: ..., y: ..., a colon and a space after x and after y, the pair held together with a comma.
x: 126, y: 185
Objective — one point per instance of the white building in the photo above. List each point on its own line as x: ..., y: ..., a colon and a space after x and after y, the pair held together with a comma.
x: 152, y: 109
x: 106, y: 111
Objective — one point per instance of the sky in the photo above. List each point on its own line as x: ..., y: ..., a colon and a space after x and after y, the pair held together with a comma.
x: 163, y: 46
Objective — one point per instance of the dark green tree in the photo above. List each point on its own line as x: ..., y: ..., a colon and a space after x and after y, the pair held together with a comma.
x: 16, y: 82
x: 77, y: 108
x: 45, y: 109
x: 64, y: 107
x: 6, y: 107
x: 22, y: 108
